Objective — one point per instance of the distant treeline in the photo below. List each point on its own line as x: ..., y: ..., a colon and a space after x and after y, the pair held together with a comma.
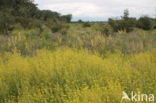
x: 26, y: 13
x: 129, y: 23
x: 126, y: 23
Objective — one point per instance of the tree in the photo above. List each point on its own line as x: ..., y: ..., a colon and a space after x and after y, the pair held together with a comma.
x: 25, y: 12
x: 79, y: 21
x: 126, y: 14
x: 48, y: 14
x: 125, y: 23
x: 6, y: 21
x: 66, y: 18
x: 144, y: 23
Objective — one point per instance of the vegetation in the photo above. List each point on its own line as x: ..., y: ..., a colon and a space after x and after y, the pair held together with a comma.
x: 86, y: 24
x: 126, y: 23
x: 46, y: 58
x: 69, y: 76
x: 145, y: 23
x: 25, y: 12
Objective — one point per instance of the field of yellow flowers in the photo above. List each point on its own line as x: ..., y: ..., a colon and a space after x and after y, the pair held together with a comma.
x: 75, y: 76
x: 81, y: 66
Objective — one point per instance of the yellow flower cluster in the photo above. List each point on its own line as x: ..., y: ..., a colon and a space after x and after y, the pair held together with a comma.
x: 71, y: 76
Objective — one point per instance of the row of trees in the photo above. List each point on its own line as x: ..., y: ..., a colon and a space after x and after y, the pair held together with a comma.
x: 129, y: 23
x: 26, y: 13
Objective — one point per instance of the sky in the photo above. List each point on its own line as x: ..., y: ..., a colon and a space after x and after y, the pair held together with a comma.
x: 99, y: 10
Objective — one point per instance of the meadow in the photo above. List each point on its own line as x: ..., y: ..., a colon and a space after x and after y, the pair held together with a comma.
x: 76, y: 65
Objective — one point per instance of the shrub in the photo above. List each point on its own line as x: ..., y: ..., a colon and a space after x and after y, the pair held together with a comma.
x: 25, y: 22
x: 144, y: 23
x: 86, y: 24
x: 80, y: 21
x: 105, y: 29
x: 58, y: 26
x: 6, y: 22
x: 62, y: 28
x: 125, y: 23
x: 122, y: 24
x: 66, y: 18
x: 154, y: 27
x: 154, y: 23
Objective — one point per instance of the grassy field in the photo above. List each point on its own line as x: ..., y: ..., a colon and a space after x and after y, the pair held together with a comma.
x: 79, y: 66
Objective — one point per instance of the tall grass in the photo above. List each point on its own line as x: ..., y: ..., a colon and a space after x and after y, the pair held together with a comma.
x: 71, y: 76
x: 83, y: 65
x: 27, y: 42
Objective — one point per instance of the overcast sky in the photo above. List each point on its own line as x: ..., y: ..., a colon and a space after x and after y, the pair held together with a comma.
x: 99, y: 9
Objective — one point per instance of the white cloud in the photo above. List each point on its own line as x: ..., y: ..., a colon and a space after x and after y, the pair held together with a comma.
x: 77, y: 9
x: 99, y: 8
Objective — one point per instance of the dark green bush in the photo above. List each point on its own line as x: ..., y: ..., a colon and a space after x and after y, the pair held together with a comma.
x: 105, y: 29
x: 6, y: 22
x: 25, y: 22
x: 58, y: 26
x: 80, y: 21
x: 154, y: 27
x: 126, y: 23
x: 66, y: 18
x: 86, y: 24
x: 144, y: 23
